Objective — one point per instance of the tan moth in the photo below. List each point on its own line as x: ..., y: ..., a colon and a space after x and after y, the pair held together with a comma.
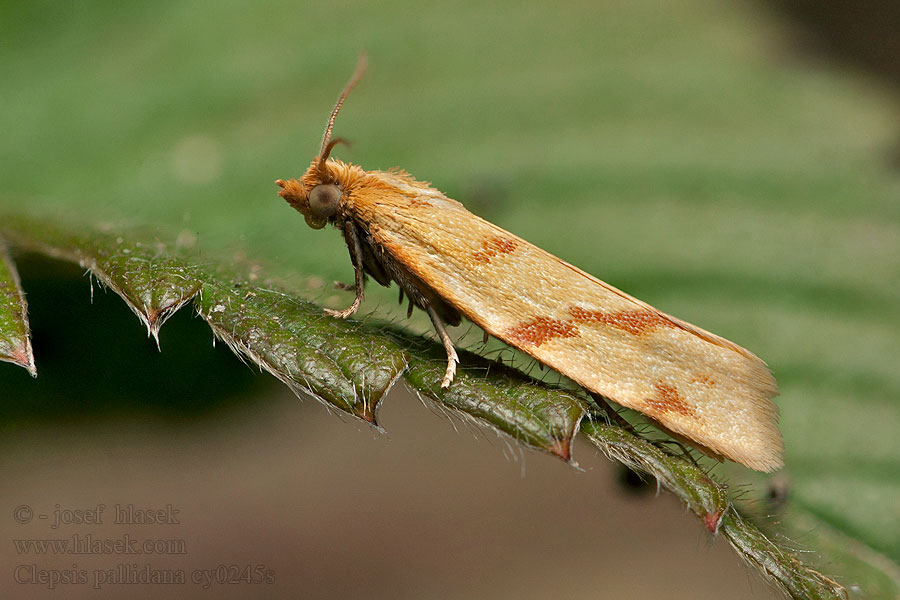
x: 451, y: 263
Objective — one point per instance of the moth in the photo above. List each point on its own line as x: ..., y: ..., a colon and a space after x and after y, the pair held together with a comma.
x: 452, y: 264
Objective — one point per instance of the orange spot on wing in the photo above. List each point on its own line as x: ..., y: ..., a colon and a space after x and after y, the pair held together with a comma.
x: 704, y: 379
x: 493, y: 246
x: 668, y: 400
x: 635, y: 322
x: 540, y: 330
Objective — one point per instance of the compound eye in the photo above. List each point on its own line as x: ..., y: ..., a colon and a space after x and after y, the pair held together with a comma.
x: 324, y: 200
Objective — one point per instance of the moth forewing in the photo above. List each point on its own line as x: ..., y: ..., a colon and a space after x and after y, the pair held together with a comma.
x: 450, y: 262
x: 691, y: 381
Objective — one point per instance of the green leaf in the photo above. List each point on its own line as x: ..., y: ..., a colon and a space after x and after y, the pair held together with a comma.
x: 343, y: 363
x: 334, y: 360
x: 329, y: 359
x: 536, y: 415
x: 15, y: 336
x: 777, y: 562
x: 708, y: 500
x: 151, y: 281
x: 352, y: 365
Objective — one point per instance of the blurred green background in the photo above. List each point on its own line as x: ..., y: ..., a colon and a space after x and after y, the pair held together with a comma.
x: 700, y: 155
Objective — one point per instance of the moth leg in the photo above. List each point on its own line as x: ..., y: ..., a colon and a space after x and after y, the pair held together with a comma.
x: 356, y: 257
x: 611, y: 414
x: 452, y: 358
x: 684, y: 450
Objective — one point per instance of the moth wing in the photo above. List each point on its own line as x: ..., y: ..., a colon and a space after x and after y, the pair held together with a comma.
x: 694, y: 383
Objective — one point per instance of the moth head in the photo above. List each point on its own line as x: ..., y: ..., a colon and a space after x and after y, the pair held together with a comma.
x: 318, y: 203
x: 318, y: 195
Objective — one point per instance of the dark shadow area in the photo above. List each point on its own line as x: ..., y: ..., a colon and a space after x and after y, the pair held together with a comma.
x: 866, y: 34
x: 95, y: 360
x: 633, y: 482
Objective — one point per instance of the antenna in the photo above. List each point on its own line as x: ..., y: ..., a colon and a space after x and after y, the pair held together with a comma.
x: 327, y: 144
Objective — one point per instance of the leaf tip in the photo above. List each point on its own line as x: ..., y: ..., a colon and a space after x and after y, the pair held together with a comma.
x: 562, y: 449
x: 22, y: 357
x: 154, y: 331
x: 713, y: 520
x: 367, y: 414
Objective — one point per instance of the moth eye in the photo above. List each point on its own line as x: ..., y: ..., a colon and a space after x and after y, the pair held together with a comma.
x: 324, y: 201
